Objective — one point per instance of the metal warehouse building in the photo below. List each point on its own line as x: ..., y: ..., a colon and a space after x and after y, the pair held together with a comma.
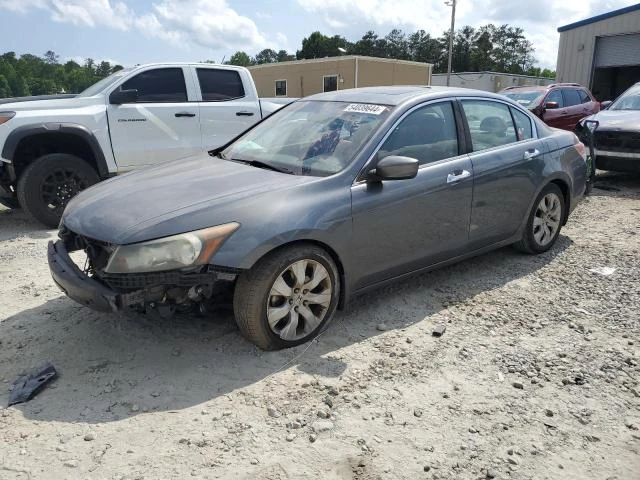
x: 306, y: 77
x: 602, y: 52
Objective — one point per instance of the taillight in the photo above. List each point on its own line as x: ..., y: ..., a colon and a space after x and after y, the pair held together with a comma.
x: 580, y: 147
x: 6, y: 116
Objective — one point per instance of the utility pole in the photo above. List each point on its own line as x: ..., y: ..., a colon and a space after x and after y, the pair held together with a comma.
x: 452, y: 4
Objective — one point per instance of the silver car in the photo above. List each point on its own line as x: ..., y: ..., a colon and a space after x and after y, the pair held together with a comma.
x: 333, y: 195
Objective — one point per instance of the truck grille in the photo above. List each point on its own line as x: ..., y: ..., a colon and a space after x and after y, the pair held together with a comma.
x: 618, y: 141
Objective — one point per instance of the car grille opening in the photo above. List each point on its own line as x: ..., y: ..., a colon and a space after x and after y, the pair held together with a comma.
x: 618, y: 141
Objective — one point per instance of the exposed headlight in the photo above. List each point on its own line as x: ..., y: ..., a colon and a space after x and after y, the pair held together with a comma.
x: 170, y: 253
x: 6, y: 116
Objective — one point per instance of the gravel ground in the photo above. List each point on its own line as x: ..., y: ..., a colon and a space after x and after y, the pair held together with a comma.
x: 536, y: 377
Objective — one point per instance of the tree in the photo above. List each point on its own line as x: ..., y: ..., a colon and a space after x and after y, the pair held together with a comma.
x: 396, y: 45
x: 240, y: 59
x: 318, y: 45
x: 265, y: 56
x: 51, y: 58
x: 283, y: 56
x: 5, y: 90
x: 103, y: 69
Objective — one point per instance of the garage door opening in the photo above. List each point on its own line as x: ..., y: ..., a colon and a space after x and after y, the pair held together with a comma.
x: 610, y: 82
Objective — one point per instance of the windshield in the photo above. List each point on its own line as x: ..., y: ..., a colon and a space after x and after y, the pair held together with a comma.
x: 629, y: 100
x: 104, y: 83
x: 309, y: 137
x: 527, y: 98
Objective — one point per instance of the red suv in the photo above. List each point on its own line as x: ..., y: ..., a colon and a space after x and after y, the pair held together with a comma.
x: 560, y: 105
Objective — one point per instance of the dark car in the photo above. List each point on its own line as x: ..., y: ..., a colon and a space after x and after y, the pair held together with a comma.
x: 616, y: 133
x: 560, y: 105
x: 335, y: 194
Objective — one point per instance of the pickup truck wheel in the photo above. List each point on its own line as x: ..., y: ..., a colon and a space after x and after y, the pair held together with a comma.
x: 49, y: 182
x: 287, y: 297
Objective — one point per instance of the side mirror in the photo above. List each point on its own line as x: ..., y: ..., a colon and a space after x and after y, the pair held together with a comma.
x: 118, y: 97
x: 394, y: 167
x: 551, y: 105
x: 604, y: 105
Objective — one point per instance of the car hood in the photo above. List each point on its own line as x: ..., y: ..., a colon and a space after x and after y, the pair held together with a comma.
x: 174, y: 197
x: 52, y: 103
x: 623, y: 120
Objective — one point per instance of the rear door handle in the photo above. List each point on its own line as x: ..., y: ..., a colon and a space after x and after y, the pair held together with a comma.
x: 458, y: 175
x: 185, y: 114
x: 244, y: 114
x: 529, y: 154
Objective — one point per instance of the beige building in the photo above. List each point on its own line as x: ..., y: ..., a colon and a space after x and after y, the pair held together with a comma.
x: 306, y: 77
x: 488, y: 81
x: 602, y: 52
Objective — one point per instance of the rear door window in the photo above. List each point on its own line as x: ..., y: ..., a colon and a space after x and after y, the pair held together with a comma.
x: 490, y: 124
x: 555, y: 96
x: 162, y: 85
x: 524, y: 130
x: 571, y: 97
x: 584, y: 96
x: 218, y: 85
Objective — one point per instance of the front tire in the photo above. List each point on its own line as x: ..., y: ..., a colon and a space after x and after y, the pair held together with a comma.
x: 287, y: 297
x: 49, y: 182
x: 545, y: 221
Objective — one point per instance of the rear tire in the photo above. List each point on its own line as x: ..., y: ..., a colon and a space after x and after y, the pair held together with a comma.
x: 49, y: 182
x: 272, y: 307
x: 545, y: 221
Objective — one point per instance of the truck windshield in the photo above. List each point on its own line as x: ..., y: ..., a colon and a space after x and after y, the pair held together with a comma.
x: 104, y: 83
x: 317, y: 138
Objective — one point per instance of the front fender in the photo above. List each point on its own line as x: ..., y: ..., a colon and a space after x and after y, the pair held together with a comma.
x: 18, y: 134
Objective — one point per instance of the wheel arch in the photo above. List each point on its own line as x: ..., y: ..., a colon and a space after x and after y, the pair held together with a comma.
x: 28, y: 142
x: 331, y: 251
x: 566, y: 194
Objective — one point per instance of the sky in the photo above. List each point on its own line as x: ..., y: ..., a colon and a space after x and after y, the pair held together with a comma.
x: 129, y: 32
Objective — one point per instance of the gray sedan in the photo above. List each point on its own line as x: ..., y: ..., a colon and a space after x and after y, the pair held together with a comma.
x: 331, y: 196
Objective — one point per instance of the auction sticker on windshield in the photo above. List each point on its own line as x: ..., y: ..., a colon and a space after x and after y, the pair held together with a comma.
x: 365, y: 108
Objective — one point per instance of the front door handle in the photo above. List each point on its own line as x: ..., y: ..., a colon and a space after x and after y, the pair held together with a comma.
x: 458, y: 175
x: 244, y: 114
x: 529, y: 154
x: 185, y: 114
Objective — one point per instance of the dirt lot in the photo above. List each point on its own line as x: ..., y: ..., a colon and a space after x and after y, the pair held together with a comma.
x: 536, y: 377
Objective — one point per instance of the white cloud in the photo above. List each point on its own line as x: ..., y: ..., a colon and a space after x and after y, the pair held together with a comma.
x: 211, y: 24
x: 92, y: 12
x: 208, y: 23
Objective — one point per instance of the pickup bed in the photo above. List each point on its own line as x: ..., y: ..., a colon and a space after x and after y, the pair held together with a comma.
x: 52, y: 148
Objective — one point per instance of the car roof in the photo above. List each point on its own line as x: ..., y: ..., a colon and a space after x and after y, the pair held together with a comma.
x: 540, y: 88
x: 396, y: 95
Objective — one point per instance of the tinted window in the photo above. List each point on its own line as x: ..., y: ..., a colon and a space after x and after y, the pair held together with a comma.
x: 571, y: 97
x: 160, y: 85
x: 330, y: 84
x: 584, y: 96
x: 427, y: 134
x: 281, y: 88
x: 523, y: 125
x: 219, y: 85
x: 555, y: 96
x: 490, y: 124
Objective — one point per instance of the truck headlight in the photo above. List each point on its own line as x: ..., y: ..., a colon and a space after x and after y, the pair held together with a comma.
x: 170, y: 253
x: 6, y: 116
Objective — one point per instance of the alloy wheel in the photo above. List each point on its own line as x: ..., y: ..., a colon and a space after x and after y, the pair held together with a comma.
x: 546, y: 221
x: 299, y: 299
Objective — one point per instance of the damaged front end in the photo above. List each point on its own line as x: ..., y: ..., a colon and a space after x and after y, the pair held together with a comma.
x: 103, y: 287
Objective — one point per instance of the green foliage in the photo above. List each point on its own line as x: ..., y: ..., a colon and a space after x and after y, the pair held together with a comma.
x: 33, y: 75
x: 240, y: 59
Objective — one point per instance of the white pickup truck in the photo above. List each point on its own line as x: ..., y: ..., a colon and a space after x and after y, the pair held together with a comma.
x: 52, y: 148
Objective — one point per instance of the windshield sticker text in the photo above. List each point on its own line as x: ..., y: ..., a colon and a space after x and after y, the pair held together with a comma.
x: 365, y: 108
